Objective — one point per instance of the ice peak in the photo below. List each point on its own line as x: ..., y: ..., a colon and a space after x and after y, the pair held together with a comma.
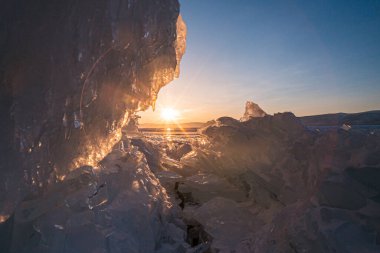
x: 252, y: 110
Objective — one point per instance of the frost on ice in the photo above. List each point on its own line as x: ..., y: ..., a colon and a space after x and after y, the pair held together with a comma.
x: 269, y: 183
x: 119, y: 207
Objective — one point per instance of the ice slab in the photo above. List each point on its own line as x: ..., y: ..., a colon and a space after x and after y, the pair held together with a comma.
x: 204, y: 187
x: 228, y: 224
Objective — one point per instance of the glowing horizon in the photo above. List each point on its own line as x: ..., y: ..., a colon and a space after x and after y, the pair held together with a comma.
x: 324, y: 58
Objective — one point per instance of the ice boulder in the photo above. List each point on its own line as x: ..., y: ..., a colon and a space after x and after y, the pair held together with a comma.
x: 310, y: 191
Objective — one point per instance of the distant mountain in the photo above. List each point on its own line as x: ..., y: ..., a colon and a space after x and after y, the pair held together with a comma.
x: 336, y: 119
x: 172, y: 125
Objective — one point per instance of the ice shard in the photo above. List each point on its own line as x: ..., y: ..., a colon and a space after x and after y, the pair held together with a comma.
x: 252, y: 110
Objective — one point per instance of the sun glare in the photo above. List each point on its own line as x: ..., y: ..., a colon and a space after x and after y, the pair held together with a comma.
x: 169, y: 114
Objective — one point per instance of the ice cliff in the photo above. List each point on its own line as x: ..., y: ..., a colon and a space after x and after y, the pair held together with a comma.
x: 71, y: 73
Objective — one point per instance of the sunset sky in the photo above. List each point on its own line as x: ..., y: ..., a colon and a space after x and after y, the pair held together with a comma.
x: 308, y: 57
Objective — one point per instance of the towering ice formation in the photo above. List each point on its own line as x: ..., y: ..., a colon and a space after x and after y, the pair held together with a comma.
x: 252, y: 110
x: 71, y: 74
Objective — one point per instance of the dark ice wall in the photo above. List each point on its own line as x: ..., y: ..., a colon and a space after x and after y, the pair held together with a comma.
x: 70, y: 74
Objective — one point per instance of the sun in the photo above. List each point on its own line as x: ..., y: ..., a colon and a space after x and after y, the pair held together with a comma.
x: 169, y: 114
